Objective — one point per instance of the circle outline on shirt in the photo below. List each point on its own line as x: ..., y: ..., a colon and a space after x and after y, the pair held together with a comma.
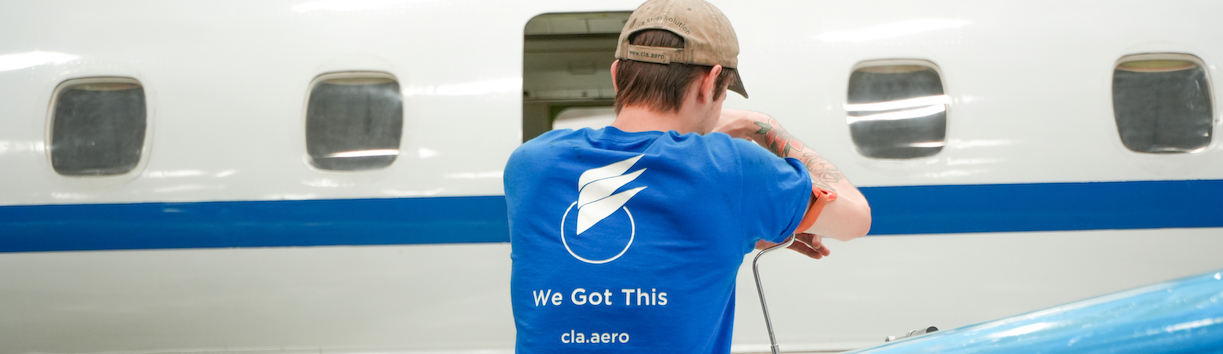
x: 632, y: 235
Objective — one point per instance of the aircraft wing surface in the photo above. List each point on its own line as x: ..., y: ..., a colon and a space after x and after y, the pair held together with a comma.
x: 1179, y: 316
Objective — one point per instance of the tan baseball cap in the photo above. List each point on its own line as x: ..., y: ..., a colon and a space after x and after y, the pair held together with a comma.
x: 708, y: 37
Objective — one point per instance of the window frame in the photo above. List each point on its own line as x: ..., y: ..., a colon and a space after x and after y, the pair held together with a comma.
x: 948, y: 113
x: 1210, y: 94
x: 146, y: 147
x: 351, y: 74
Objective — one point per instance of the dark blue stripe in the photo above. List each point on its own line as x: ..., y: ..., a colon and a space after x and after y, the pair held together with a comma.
x: 897, y: 211
x: 1045, y: 207
x: 253, y: 224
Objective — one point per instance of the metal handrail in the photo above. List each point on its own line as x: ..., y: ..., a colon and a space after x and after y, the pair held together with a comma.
x: 760, y: 288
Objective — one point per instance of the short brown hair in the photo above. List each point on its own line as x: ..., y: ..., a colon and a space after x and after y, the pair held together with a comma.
x: 661, y: 87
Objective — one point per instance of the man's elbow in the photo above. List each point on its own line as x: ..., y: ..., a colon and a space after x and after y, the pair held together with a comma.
x: 863, y: 226
x: 844, y: 220
x: 856, y: 225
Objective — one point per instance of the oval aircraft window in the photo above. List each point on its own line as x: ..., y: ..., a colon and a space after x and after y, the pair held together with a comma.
x: 897, y: 109
x: 354, y: 121
x: 1162, y: 103
x: 97, y: 126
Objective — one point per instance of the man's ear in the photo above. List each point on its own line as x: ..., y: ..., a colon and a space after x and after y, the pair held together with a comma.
x: 708, y: 86
x: 613, y: 74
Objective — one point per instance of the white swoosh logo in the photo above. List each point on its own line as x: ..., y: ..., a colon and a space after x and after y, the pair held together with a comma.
x: 595, y: 188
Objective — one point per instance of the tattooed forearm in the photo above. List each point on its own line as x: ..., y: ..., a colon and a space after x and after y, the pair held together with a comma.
x: 780, y: 142
x: 824, y: 172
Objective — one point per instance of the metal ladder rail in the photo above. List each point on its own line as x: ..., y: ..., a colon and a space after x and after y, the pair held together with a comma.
x: 760, y: 288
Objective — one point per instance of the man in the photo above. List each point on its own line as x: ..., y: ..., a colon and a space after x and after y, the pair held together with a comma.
x: 629, y: 238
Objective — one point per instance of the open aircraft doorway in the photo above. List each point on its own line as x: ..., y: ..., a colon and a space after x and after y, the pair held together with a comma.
x: 566, y: 61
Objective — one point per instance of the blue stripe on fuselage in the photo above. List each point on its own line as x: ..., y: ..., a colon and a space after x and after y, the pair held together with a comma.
x: 253, y: 224
x: 896, y: 211
x: 1045, y: 207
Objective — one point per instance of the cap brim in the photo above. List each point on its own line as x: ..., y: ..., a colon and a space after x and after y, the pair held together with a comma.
x: 737, y: 86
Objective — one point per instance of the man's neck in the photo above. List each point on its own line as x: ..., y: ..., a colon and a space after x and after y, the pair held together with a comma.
x: 641, y: 119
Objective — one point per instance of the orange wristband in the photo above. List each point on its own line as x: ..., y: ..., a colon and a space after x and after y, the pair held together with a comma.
x: 820, y: 198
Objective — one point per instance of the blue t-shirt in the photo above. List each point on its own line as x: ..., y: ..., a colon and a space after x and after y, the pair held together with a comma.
x: 631, y: 242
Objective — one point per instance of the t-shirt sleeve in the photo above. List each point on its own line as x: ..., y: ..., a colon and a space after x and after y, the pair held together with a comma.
x: 776, y: 192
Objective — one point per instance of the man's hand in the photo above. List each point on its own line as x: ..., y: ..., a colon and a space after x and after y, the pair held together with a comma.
x: 810, y: 245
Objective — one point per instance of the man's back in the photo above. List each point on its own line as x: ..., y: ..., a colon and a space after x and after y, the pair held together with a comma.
x: 630, y: 242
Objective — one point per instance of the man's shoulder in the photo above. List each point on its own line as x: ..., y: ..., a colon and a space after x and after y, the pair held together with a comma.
x: 558, y: 143
x: 552, y: 136
x: 543, y: 143
x: 740, y: 147
x: 710, y: 141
